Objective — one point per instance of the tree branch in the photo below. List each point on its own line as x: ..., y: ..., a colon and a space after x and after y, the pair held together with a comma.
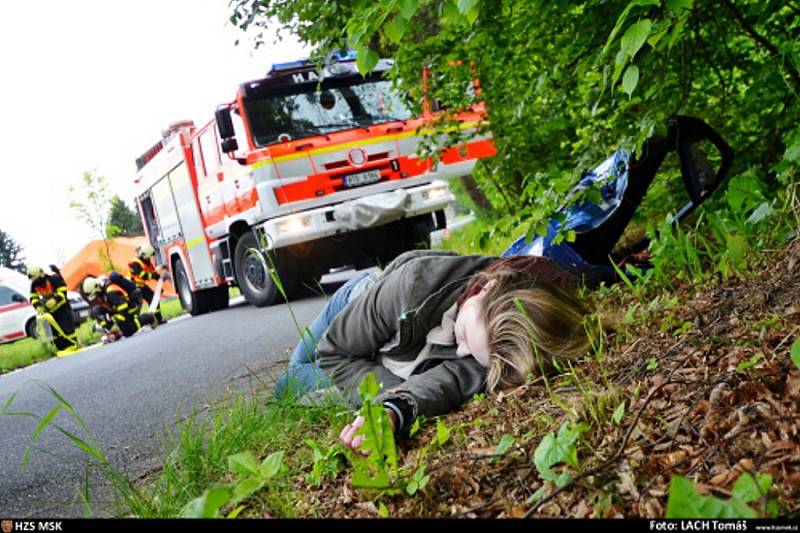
x: 760, y: 39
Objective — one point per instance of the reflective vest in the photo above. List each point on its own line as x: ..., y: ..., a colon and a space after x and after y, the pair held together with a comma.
x: 45, y: 288
x: 141, y: 271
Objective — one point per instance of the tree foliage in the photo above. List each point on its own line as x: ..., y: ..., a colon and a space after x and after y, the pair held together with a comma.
x: 91, y: 202
x: 11, y: 253
x: 566, y: 82
x: 122, y: 220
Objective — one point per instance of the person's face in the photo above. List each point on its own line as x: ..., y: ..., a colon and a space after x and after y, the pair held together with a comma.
x: 472, y: 336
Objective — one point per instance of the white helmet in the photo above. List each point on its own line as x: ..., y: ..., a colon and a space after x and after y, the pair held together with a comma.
x: 92, y: 286
x: 35, y: 272
x: 146, y: 251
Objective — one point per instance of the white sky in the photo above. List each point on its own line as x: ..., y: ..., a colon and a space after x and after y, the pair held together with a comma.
x: 90, y: 84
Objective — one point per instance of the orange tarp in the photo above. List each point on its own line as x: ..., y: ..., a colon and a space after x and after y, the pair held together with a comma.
x: 88, y: 262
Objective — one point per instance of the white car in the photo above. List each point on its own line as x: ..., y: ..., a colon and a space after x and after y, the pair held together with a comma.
x: 17, y: 315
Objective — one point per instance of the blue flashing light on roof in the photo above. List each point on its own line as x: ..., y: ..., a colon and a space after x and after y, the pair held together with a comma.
x: 291, y: 65
x: 344, y: 55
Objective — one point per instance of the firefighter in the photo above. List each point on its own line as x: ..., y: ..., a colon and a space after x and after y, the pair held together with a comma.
x: 142, y: 270
x: 114, y: 309
x: 49, y: 298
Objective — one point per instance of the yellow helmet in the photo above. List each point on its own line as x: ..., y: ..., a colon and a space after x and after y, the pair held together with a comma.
x: 146, y: 251
x: 92, y: 286
x: 35, y: 272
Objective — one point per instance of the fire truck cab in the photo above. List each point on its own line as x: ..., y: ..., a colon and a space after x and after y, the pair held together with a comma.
x: 306, y: 170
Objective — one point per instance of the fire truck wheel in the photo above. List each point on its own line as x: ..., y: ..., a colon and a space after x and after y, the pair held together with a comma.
x: 195, y: 302
x: 253, y: 273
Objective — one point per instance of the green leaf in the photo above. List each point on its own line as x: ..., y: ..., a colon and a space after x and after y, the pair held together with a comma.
x: 383, y: 512
x: 395, y: 29
x: 367, y: 60
x: 369, y: 387
x: 738, y: 246
x: 795, y: 353
x: 792, y: 153
x: 635, y: 37
x: 442, y: 432
x: 235, y: 513
x: 505, y: 444
x: 466, y: 5
x: 677, y: 6
x: 753, y: 361
x: 208, y: 504
x: 271, y: 466
x: 748, y: 490
x: 630, y: 79
x: 624, y: 17
x: 408, y: 8
x: 761, y: 212
x: 243, y: 463
x: 553, y: 449
x: 26, y: 456
x: 246, y: 487
x: 536, y: 496
x: 411, y: 488
x: 619, y: 412
x: 685, y: 502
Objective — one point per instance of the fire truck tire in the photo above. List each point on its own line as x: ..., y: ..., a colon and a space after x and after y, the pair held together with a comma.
x: 194, y: 302
x: 252, y: 273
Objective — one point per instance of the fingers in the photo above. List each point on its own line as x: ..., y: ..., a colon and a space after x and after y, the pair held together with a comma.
x: 349, y: 438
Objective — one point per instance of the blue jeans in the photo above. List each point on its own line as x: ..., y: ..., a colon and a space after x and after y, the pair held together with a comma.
x: 304, y: 374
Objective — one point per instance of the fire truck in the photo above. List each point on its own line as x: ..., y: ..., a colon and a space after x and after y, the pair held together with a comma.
x: 306, y: 170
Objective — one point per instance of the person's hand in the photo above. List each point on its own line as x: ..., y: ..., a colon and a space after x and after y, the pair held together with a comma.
x: 348, y: 435
x: 165, y: 275
x: 349, y: 438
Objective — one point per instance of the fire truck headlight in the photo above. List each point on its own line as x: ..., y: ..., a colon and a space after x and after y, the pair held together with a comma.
x: 438, y: 192
x: 295, y: 224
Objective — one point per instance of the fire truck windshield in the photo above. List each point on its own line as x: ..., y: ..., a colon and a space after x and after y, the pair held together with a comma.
x: 302, y: 110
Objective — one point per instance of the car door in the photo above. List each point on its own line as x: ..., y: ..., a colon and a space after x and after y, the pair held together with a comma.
x: 14, y: 312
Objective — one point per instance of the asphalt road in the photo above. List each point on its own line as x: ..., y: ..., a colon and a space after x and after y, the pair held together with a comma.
x: 128, y: 392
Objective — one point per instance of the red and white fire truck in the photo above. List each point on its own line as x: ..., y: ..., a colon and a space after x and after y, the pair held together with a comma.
x: 306, y: 170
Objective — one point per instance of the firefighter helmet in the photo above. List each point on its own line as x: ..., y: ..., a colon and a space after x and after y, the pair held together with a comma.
x: 35, y: 272
x: 146, y: 251
x: 92, y: 286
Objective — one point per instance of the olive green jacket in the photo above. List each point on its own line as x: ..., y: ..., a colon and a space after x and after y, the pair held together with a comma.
x: 392, y: 319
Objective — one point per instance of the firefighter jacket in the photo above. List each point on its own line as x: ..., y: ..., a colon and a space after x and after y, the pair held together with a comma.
x: 50, y: 287
x: 142, y: 270
x: 115, y: 309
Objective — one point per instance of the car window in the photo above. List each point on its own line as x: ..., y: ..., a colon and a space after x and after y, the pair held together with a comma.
x: 6, y: 295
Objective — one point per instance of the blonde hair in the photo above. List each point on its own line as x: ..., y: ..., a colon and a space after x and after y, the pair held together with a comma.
x: 530, y: 324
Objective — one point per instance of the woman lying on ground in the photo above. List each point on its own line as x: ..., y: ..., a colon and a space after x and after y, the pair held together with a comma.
x: 437, y: 328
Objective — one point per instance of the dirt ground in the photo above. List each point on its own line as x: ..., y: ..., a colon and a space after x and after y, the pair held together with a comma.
x: 710, y: 392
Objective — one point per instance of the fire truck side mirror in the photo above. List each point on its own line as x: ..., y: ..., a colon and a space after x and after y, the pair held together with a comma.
x: 224, y: 123
x: 229, y: 145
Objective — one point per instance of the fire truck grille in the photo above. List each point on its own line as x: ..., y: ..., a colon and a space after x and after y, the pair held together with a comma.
x: 333, y: 165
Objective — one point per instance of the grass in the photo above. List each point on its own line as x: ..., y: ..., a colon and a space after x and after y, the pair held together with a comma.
x: 201, y: 445
x: 23, y: 352
x: 171, y: 308
x: 26, y: 352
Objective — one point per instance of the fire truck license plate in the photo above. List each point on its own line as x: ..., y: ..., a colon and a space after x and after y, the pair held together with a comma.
x: 362, y: 178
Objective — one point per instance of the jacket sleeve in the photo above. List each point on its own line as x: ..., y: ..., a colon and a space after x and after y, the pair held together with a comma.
x: 60, y: 293
x: 440, y: 389
x: 348, y: 350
